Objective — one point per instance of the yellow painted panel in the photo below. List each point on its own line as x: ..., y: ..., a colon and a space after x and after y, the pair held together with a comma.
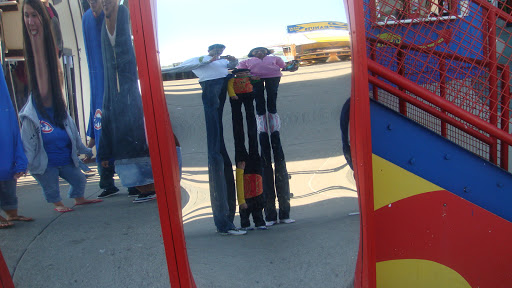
x: 417, y: 273
x: 392, y: 183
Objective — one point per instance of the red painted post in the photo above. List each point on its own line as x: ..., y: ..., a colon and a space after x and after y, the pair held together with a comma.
x: 5, y: 275
x: 365, y: 276
x: 161, y: 142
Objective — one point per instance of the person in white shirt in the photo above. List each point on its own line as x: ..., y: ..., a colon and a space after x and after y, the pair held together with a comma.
x: 212, y: 70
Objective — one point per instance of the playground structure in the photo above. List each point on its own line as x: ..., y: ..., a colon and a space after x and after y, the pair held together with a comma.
x: 430, y: 133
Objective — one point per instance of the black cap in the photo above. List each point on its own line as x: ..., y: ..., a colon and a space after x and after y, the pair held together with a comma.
x: 240, y: 70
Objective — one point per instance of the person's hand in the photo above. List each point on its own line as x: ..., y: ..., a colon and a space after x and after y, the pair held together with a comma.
x: 255, y: 78
x: 234, y: 97
x: 19, y: 174
x: 104, y: 164
x: 214, y: 58
x: 87, y: 159
x: 243, y: 206
x: 230, y: 58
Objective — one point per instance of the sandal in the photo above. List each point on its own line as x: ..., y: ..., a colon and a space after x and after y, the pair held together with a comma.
x: 20, y: 218
x: 6, y: 224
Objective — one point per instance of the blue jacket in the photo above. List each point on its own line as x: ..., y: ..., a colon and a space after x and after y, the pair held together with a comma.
x: 91, y: 27
x: 13, y: 157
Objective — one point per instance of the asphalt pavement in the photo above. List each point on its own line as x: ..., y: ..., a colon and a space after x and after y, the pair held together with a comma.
x: 117, y: 243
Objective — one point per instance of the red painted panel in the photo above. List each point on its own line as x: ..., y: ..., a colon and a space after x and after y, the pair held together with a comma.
x: 444, y: 228
x: 5, y: 276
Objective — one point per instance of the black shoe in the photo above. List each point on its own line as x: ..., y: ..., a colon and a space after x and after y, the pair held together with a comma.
x: 108, y: 193
x: 144, y: 197
x: 133, y: 192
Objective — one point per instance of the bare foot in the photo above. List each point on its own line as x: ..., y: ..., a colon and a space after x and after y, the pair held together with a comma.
x: 62, y: 209
x: 20, y: 218
x: 87, y: 201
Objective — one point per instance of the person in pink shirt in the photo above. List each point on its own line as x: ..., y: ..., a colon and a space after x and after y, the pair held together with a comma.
x: 268, y: 68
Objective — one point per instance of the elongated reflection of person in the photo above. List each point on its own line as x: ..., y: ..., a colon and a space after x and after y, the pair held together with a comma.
x: 268, y: 68
x: 123, y: 135
x: 212, y: 71
x: 50, y: 138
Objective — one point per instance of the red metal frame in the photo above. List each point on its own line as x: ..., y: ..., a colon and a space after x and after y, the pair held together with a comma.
x: 161, y: 143
x: 365, y: 275
x: 5, y: 275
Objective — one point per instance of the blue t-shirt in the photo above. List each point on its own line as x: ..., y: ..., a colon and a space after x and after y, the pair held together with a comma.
x: 56, y: 141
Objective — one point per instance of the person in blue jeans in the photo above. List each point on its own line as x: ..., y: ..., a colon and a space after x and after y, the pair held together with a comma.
x: 92, y: 23
x: 50, y: 138
x: 212, y: 70
x: 14, y: 162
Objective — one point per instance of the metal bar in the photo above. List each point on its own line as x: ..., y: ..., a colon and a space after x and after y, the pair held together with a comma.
x: 505, y: 115
x: 402, y: 106
x: 365, y: 275
x: 429, y: 109
x: 438, y: 101
x: 443, y: 55
x: 493, y: 81
x: 442, y: 92
x: 375, y: 90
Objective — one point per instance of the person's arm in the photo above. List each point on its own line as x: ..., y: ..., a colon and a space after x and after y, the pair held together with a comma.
x: 231, y: 90
x: 243, y: 65
x: 240, y: 187
x: 191, y: 64
x: 80, y: 147
x: 20, y: 159
x: 232, y: 62
x: 280, y: 62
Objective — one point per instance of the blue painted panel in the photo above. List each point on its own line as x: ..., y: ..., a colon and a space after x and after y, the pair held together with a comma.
x: 438, y: 160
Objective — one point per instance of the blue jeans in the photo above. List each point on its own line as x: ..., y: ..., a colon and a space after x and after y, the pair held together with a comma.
x: 220, y: 171
x: 8, y: 199
x: 49, y: 181
x: 107, y: 176
x: 279, y: 177
x: 180, y: 159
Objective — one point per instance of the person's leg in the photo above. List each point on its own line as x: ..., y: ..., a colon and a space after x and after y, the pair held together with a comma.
x: 228, y: 166
x: 266, y: 154
x: 107, y: 180
x: 217, y: 181
x: 257, y: 211
x: 271, y: 86
x: 180, y: 159
x: 281, y: 173
x: 281, y: 177
x: 238, y: 130
x: 259, y: 97
x: 49, y: 181
x: 250, y: 118
x: 76, y: 179
x: 244, y: 218
x: 9, y: 201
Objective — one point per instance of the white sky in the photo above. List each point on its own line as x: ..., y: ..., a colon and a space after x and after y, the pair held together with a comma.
x: 187, y: 27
